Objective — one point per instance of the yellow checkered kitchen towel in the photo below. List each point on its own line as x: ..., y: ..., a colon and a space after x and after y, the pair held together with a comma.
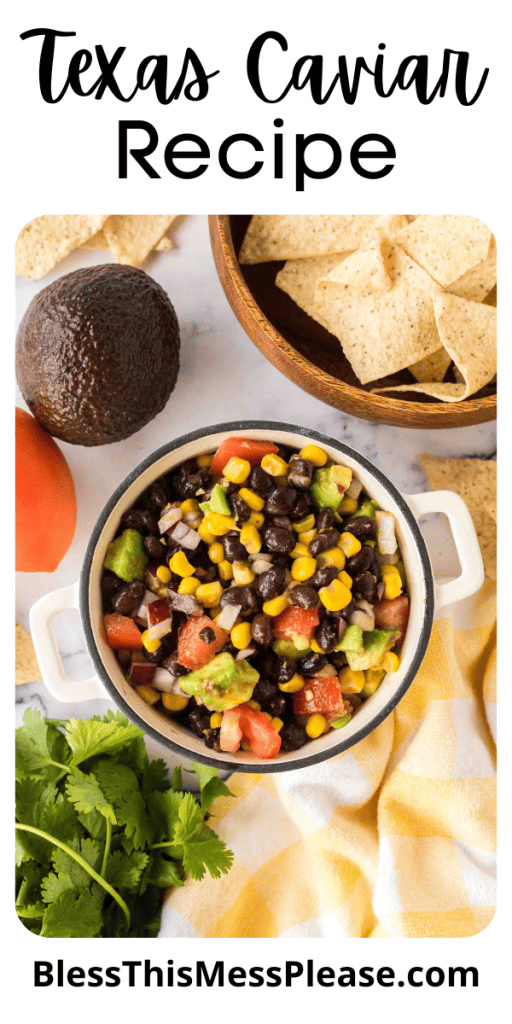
x: 396, y: 837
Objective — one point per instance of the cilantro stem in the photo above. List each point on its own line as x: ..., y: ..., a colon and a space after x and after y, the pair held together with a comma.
x: 159, y: 846
x: 83, y: 864
x: 107, y: 847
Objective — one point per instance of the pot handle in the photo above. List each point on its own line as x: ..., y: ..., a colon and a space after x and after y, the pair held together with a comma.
x: 47, y: 652
x: 466, y: 543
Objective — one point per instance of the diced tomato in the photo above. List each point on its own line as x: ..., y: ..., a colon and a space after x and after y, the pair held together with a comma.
x: 122, y: 632
x: 243, y: 448
x: 192, y: 651
x: 296, y: 620
x: 245, y: 723
x: 319, y: 696
x: 393, y: 615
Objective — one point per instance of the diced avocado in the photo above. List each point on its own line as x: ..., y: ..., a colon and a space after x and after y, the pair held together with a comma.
x: 291, y: 650
x: 223, y: 683
x: 352, y: 640
x: 329, y: 485
x: 368, y: 508
x: 375, y: 644
x: 217, y: 503
x: 373, y: 679
x: 401, y: 570
x: 126, y: 556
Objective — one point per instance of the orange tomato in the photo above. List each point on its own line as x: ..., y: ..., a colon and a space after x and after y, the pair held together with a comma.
x: 45, y: 498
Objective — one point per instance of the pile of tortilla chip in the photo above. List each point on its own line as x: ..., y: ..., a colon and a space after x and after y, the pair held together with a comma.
x: 475, y: 481
x: 399, y: 292
x: 26, y: 668
x: 43, y: 242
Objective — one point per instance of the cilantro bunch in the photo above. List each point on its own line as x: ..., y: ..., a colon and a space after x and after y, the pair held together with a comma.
x: 100, y: 831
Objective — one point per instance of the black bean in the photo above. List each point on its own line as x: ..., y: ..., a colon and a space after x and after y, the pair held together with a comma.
x: 276, y: 706
x: 279, y: 540
x: 270, y: 583
x: 172, y: 664
x: 199, y: 720
x: 188, y: 467
x: 260, y: 482
x: 250, y: 600
x: 338, y: 659
x: 133, y: 519
x: 285, y: 668
x: 239, y: 508
x: 300, y: 471
x: 234, y: 550
x: 347, y: 612
x: 323, y: 540
x: 127, y: 599
x: 282, y: 522
x: 229, y: 648
x: 362, y: 527
x: 158, y: 495
x: 233, y: 595
x: 207, y: 635
x: 325, y: 519
x: 262, y: 629
x: 266, y: 664
x: 155, y: 549
x: 311, y: 663
x: 365, y: 586
x: 212, y: 739
x: 302, y: 507
x: 150, y: 521
x: 303, y: 596
x: 326, y: 635
x: 281, y: 560
x: 110, y: 583
x: 293, y: 736
x: 187, y: 486
x: 323, y: 576
x: 155, y: 657
x: 281, y: 501
x: 264, y: 690
x: 360, y: 562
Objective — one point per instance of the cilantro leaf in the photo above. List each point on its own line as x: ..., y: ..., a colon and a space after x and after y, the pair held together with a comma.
x: 210, y: 784
x: 165, y: 872
x: 190, y: 817
x: 94, y: 823
x: 28, y: 892
x: 123, y: 871
x: 34, y: 743
x: 87, y: 738
x: 69, y: 874
x: 54, y: 885
x: 121, y: 786
x: 32, y: 910
x: 86, y: 794
x: 177, y: 780
x: 165, y: 809
x: 205, y: 851
x: 75, y: 914
x: 154, y: 778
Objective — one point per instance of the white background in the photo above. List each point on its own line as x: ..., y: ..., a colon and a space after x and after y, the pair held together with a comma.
x: 449, y: 159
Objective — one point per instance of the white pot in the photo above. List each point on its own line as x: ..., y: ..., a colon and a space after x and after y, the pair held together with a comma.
x: 424, y: 594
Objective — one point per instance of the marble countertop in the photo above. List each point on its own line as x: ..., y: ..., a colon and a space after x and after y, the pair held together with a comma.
x: 223, y: 377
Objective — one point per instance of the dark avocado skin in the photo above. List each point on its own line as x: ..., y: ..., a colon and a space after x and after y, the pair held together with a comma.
x: 97, y: 354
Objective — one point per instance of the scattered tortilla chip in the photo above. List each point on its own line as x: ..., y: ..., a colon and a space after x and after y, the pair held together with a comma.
x: 492, y: 508
x: 98, y: 241
x: 165, y: 244
x: 378, y: 303
x: 446, y: 246
x: 492, y: 298
x: 468, y: 332
x: 298, y: 279
x: 273, y: 237
x: 131, y: 237
x: 475, y: 481
x: 26, y: 668
x: 46, y: 240
x: 480, y: 280
x: 433, y: 367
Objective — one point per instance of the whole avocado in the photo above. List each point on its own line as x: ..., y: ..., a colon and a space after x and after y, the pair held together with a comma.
x: 97, y: 354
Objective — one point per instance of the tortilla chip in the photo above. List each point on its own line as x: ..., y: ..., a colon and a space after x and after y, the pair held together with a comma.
x: 98, y: 241
x: 165, y: 244
x: 446, y: 246
x: 433, y: 367
x: 492, y: 298
x: 475, y: 481
x: 477, y: 283
x: 378, y: 303
x: 26, y: 668
x: 273, y: 237
x: 298, y: 279
x: 131, y: 237
x: 468, y: 332
x: 46, y: 240
x: 492, y: 508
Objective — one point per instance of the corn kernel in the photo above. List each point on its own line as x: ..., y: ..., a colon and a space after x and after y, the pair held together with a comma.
x: 219, y: 524
x: 209, y: 594
x: 335, y: 597
x: 205, y: 533
x: 189, y: 585
x: 347, y: 505
x: 216, y: 720
x: 315, y: 726
x: 314, y: 647
x: 333, y: 556
x: 150, y: 645
x: 313, y: 454
x: 277, y: 723
x: 189, y: 505
x: 349, y: 544
x: 174, y: 701
x: 237, y: 470
x: 180, y: 564
x: 346, y: 579
x: 390, y: 661
x: 305, y: 524
x: 299, y: 551
x: 252, y: 499
x: 204, y: 461
x: 307, y: 536
x: 351, y: 680
x: 392, y: 585
x: 385, y: 568
x: 148, y: 694
x: 274, y: 465
x: 250, y: 538
x: 226, y: 570
x: 240, y: 636
x: 293, y: 685
x: 243, y: 573
x: 276, y: 605
x: 304, y: 568
x: 267, y: 716
x: 162, y: 591
x: 216, y: 552
x: 254, y: 704
x: 256, y: 519
x: 163, y: 574
x: 245, y: 745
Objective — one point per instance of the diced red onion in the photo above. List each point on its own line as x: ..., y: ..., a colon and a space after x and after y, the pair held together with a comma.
x: 159, y: 626
x: 192, y: 519
x: 229, y: 615
x: 164, y: 681
x: 141, y: 615
x: 191, y: 540
x: 327, y: 670
x: 259, y: 566
x: 246, y: 653
x: 342, y: 625
x: 355, y: 488
x: 141, y: 673
x: 359, y: 618
x: 261, y: 556
x: 380, y: 590
x: 180, y: 530
x: 365, y: 606
x: 169, y: 518
x: 186, y: 603
x: 386, y: 540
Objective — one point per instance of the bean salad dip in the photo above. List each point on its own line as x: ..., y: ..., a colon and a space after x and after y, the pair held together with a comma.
x: 256, y: 594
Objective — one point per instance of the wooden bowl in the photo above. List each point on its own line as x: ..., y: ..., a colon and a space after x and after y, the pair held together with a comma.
x: 311, y: 357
